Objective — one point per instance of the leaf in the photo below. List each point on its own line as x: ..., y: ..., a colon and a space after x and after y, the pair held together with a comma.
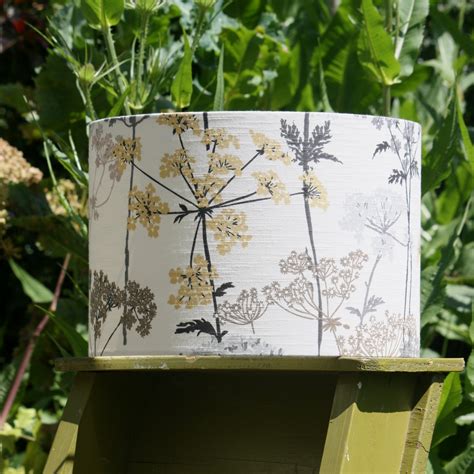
x: 412, y: 16
x: 219, y: 95
x: 246, y: 11
x: 244, y: 55
x: 102, y: 14
x: 183, y: 207
x: 12, y: 95
x: 432, y: 294
x: 182, y: 86
x: 118, y: 103
x: 199, y: 325
x: 381, y: 147
x: 55, y: 233
x: 469, y: 380
x: 353, y: 310
x: 376, y: 50
x: 463, y: 462
x: 77, y: 343
x: 373, y: 302
x: 466, y: 139
x: 451, y: 398
x: 58, y: 99
x: 32, y: 287
x: 436, y: 166
x: 220, y: 291
x: 397, y: 176
x: 338, y: 52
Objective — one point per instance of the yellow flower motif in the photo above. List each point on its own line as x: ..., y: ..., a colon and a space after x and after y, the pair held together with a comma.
x: 146, y: 208
x: 269, y: 184
x: 317, y: 195
x: 195, y: 284
x: 171, y: 165
x: 269, y: 148
x: 222, y: 164
x: 219, y: 138
x: 180, y: 123
x: 124, y: 152
x: 229, y: 228
x: 206, y: 188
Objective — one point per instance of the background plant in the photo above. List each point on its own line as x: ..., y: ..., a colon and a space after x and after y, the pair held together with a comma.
x: 66, y: 63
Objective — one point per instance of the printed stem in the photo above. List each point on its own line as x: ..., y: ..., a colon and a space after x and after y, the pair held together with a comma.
x: 111, y: 335
x: 309, y: 224
x: 234, y: 200
x: 207, y: 255
x: 194, y: 243
x: 25, y: 361
x: 382, y: 232
x: 107, y: 198
x: 368, y: 284
x: 134, y: 165
x: 127, y: 250
x: 407, y: 172
x: 252, y: 326
x: 238, y: 203
x: 233, y: 177
x: 135, y: 123
x: 292, y: 311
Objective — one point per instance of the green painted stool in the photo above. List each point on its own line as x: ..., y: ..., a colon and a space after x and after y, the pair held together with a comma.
x: 248, y: 415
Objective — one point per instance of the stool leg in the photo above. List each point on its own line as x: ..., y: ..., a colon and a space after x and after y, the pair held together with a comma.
x: 422, y: 422
x: 369, y: 422
x: 61, y: 456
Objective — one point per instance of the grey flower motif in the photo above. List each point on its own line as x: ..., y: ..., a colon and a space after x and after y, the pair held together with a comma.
x: 379, y: 338
x: 102, y: 144
x: 379, y: 214
x: 296, y: 263
x: 139, y: 308
x: 104, y: 296
x: 378, y: 122
x: 246, y: 310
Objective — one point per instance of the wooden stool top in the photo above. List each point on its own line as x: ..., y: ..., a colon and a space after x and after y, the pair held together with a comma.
x: 258, y: 363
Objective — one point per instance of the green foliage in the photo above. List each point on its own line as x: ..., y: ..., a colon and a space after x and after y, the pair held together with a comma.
x: 219, y: 94
x: 412, y: 58
x: 412, y: 17
x: 376, y: 49
x: 102, y: 14
x: 32, y: 287
x: 182, y: 86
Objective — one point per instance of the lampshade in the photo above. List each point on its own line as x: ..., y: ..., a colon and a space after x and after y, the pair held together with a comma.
x: 254, y: 233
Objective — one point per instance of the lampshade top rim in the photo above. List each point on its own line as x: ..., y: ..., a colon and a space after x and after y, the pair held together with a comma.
x: 252, y: 112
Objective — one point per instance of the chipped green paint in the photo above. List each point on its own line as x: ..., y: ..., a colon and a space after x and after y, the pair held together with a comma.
x: 262, y: 363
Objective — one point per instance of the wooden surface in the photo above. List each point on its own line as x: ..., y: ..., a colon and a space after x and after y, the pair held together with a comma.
x: 422, y: 423
x: 262, y: 363
x: 242, y: 415
x: 61, y: 458
x: 368, y: 423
